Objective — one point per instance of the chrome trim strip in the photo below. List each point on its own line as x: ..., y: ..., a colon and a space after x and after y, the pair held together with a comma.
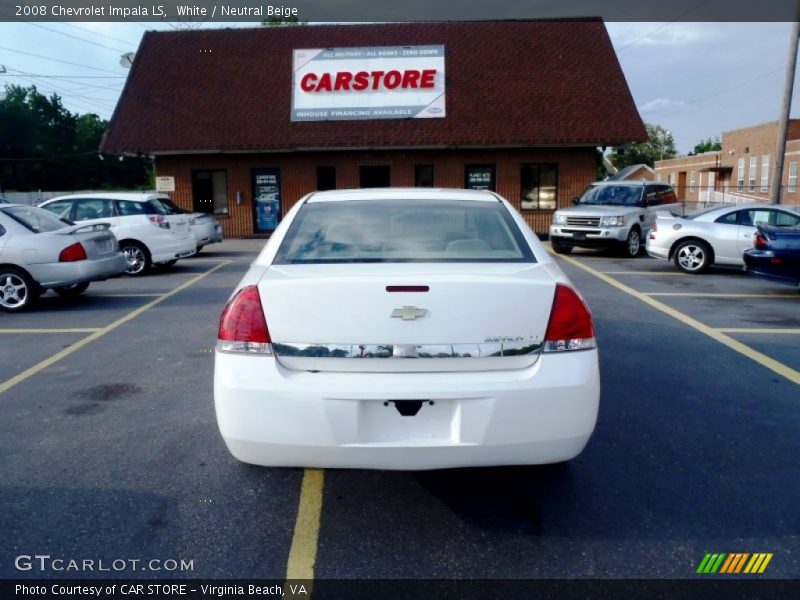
x: 490, y: 350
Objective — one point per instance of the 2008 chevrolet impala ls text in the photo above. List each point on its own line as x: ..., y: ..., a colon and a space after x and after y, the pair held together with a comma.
x: 405, y: 329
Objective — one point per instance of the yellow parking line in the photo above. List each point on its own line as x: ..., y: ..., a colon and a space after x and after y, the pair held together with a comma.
x: 303, y: 553
x: 8, y: 384
x: 722, y: 295
x: 789, y: 331
x: 762, y: 359
x: 74, y: 330
x: 124, y: 295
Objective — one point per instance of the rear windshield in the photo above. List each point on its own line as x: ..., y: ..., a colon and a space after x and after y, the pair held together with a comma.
x: 612, y: 195
x: 34, y: 219
x: 403, y: 231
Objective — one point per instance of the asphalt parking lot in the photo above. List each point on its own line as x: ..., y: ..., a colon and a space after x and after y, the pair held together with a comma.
x: 111, y: 449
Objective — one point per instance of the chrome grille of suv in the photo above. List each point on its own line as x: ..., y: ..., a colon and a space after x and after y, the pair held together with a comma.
x: 583, y: 221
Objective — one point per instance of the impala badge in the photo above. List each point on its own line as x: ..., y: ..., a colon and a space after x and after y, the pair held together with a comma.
x: 408, y: 313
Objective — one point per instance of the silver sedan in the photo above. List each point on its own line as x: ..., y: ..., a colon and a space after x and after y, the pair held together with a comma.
x: 714, y: 236
x: 39, y: 251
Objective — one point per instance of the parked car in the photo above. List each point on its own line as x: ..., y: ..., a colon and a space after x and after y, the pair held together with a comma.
x: 206, y: 228
x: 775, y: 255
x: 367, y: 334
x: 38, y: 251
x: 611, y: 214
x: 714, y: 236
x: 148, y: 233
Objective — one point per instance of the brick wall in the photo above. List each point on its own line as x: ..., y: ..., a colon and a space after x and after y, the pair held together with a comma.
x: 576, y: 169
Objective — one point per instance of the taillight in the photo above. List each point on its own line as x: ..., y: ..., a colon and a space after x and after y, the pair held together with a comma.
x: 158, y: 221
x: 570, y: 326
x: 242, y: 327
x: 72, y: 253
x: 760, y: 241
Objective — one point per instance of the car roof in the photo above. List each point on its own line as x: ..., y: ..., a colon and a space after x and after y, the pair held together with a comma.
x: 130, y: 196
x: 398, y: 193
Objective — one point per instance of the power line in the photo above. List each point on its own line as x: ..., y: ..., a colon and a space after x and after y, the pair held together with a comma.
x: 114, y: 86
x: 100, y: 34
x: 65, y: 62
x: 45, y: 158
x: 74, y: 76
x: 75, y: 37
x: 663, y: 26
x: 718, y: 92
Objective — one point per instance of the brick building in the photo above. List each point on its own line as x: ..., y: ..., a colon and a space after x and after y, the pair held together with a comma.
x: 740, y: 171
x: 225, y: 113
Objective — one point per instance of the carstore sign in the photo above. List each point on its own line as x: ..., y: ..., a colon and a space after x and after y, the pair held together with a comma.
x: 388, y: 82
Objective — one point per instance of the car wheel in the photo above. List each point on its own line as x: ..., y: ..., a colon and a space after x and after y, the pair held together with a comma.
x: 633, y: 244
x: 17, y: 290
x: 560, y: 248
x: 692, y: 256
x: 70, y: 291
x: 138, y: 260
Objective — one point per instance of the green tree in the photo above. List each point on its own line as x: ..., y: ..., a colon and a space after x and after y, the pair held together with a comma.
x: 281, y: 22
x: 659, y: 145
x: 707, y: 145
x: 43, y: 146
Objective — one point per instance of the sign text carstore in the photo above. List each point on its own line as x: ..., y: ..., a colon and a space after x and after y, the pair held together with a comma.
x: 389, y: 82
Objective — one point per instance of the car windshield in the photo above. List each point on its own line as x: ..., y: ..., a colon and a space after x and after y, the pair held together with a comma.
x: 403, y: 231
x: 157, y: 207
x: 169, y: 206
x: 612, y: 195
x: 34, y: 219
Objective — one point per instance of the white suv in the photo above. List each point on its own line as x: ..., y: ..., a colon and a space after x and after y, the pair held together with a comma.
x: 148, y: 234
x: 612, y: 214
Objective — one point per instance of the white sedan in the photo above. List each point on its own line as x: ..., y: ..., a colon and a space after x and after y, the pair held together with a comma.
x: 714, y: 236
x: 39, y: 251
x: 405, y: 329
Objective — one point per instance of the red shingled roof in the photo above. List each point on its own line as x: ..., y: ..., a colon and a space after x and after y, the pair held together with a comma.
x: 508, y: 83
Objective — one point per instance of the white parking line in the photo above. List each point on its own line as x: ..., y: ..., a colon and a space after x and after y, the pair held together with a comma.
x: 123, y: 295
x: 640, y: 272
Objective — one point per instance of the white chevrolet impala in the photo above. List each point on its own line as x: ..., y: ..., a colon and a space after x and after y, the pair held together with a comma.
x: 405, y: 329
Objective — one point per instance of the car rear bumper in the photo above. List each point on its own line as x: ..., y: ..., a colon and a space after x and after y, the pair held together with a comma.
x: 171, y: 248
x: 760, y: 264
x: 207, y: 233
x: 59, y: 274
x: 271, y: 416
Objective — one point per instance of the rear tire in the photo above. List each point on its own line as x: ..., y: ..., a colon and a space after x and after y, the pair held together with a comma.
x: 18, y: 291
x: 692, y: 256
x: 71, y: 291
x: 560, y: 248
x: 137, y: 256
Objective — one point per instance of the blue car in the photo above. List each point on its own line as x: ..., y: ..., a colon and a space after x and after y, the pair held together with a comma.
x: 776, y: 255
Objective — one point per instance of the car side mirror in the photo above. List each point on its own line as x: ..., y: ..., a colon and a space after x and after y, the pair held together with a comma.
x: 575, y: 200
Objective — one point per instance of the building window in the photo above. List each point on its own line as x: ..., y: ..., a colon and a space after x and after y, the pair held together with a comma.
x: 374, y: 176
x: 479, y: 177
x: 765, y: 173
x: 423, y: 175
x: 326, y: 178
x: 693, y: 181
x: 751, y: 176
x: 740, y: 175
x: 539, y: 185
x: 210, y: 192
x: 793, y: 177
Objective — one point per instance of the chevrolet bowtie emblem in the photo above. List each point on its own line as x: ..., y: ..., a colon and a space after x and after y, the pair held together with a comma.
x: 408, y: 313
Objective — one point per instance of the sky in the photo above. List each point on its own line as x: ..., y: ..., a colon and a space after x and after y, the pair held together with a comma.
x: 695, y: 79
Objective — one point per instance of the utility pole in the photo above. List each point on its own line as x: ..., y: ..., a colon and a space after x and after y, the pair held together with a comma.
x: 783, y: 123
